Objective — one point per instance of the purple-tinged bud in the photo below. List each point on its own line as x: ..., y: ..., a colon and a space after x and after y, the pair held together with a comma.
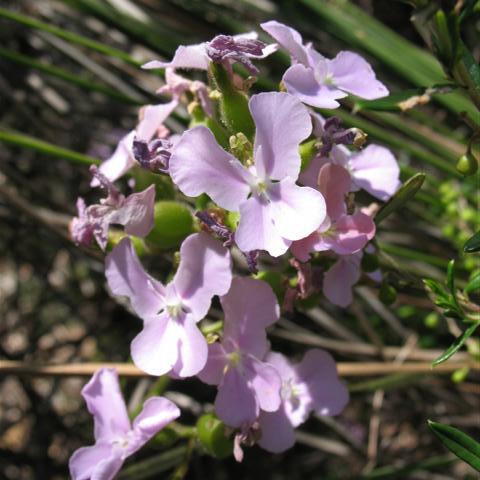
x: 216, y: 227
x: 153, y: 155
x: 252, y: 260
x: 335, y: 134
x: 225, y: 47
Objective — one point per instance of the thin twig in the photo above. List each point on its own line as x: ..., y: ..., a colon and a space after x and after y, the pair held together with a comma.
x: 345, y: 369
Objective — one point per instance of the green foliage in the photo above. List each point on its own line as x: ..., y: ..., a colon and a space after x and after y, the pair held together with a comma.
x: 406, y: 192
x: 462, y: 445
x: 473, y: 244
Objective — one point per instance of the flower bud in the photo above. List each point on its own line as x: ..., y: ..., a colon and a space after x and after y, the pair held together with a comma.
x: 212, y: 435
x: 387, y: 293
x: 467, y: 165
x: 173, y: 223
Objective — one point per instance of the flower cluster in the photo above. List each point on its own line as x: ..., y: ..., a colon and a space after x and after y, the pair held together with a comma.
x: 283, y: 185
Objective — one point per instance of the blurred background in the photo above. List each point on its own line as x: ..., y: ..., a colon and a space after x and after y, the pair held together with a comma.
x: 71, y: 87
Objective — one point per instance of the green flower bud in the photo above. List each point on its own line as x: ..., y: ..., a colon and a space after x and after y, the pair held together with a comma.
x: 387, y: 294
x: 241, y: 148
x: 431, y: 320
x: 212, y: 435
x: 467, y: 165
x: 173, y: 223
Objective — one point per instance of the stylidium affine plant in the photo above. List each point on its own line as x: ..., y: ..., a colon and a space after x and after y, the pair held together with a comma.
x: 255, y: 177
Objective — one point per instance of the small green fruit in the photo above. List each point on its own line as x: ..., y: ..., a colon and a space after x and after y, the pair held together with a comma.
x: 467, y: 165
x: 173, y: 223
x: 211, y: 433
x: 387, y: 293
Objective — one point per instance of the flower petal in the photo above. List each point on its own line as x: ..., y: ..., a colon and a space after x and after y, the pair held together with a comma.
x: 136, y: 213
x: 190, y: 56
x: 192, y: 350
x: 282, y: 122
x: 278, y: 434
x: 97, y: 461
x: 212, y: 373
x: 319, y: 371
x: 301, y: 82
x: 375, y: 169
x: 288, y: 38
x: 340, y: 278
x: 296, y: 211
x: 199, y: 165
x: 105, y: 402
x: 266, y: 383
x: 302, y: 248
x: 334, y: 182
x: 153, y: 118
x: 249, y: 307
x: 156, y: 414
x: 256, y: 230
x: 309, y: 176
x: 120, y: 162
x: 155, y: 349
x: 235, y: 403
x: 205, y: 270
x: 353, y: 73
x: 126, y: 277
x: 352, y: 233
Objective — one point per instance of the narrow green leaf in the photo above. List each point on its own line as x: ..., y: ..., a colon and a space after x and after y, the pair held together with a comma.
x: 404, y: 194
x: 473, y: 285
x: 57, y: 72
x: 399, y: 473
x: 461, y: 444
x: 456, y: 345
x: 472, y: 245
x: 473, y: 68
x: 402, y: 101
x: 69, y: 36
x: 436, y: 288
x: 45, y: 147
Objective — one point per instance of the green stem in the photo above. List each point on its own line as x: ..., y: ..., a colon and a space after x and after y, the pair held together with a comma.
x: 46, y: 148
x: 412, y: 255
